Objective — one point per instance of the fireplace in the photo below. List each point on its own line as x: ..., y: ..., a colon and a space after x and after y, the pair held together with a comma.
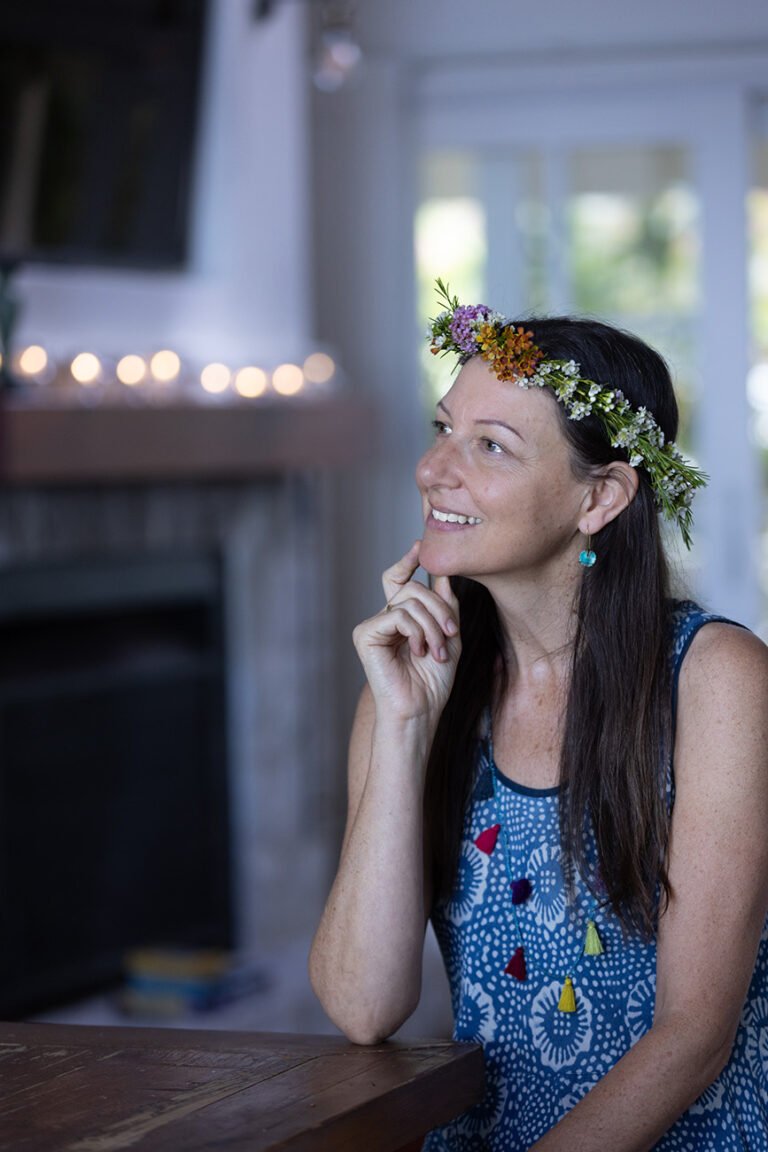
x: 201, y: 554
x: 114, y: 825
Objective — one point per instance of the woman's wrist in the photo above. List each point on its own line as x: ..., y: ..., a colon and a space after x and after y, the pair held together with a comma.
x: 412, y: 736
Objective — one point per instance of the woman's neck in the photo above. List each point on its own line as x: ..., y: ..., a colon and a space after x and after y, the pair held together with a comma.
x: 538, y: 621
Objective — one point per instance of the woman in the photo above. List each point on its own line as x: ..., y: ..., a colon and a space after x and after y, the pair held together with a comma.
x: 561, y: 766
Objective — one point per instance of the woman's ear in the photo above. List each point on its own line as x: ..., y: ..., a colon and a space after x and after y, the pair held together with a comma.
x: 610, y: 493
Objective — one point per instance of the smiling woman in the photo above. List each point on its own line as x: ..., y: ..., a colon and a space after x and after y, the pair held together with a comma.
x: 511, y: 766
x: 469, y: 479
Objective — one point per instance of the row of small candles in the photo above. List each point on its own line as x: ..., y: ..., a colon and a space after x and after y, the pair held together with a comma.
x: 164, y: 367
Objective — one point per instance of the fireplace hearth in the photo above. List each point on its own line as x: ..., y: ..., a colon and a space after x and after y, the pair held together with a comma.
x: 114, y: 811
x: 212, y: 591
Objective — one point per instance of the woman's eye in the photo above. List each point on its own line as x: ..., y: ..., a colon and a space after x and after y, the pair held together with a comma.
x: 491, y: 446
x: 440, y: 428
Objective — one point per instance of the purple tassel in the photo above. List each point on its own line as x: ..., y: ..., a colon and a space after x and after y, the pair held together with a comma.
x: 521, y: 890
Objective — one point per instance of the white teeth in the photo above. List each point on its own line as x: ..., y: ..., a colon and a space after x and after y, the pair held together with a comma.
x: 454, y: 518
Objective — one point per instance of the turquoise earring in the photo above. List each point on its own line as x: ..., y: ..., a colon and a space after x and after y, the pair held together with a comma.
x: 587, y: 557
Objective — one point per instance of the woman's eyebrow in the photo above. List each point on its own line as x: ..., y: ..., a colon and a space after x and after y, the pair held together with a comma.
x: 501, y: 424
x: 495, y: 423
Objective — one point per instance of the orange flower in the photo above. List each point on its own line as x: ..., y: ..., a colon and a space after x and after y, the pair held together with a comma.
x: 509, y: 352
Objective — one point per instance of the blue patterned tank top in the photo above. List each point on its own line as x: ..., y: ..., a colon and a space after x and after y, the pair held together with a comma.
x: 541, y: 1061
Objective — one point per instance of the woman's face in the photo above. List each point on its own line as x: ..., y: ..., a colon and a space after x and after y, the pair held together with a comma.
x: 499, y: 461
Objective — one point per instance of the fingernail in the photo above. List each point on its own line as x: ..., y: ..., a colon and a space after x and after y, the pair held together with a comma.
x: 442, y: 654
x: 450, y: 627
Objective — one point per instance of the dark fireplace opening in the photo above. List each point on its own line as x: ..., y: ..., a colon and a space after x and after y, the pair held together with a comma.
x: 114, y: 812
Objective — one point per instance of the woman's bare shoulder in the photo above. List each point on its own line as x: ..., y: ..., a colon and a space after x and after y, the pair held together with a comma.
x: 723, y: 705
x: 726, y: 657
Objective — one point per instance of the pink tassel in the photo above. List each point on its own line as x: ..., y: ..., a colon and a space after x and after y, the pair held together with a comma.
x: 486, y: 841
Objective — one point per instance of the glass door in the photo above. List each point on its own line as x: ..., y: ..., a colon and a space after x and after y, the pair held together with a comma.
x: 620, y: 209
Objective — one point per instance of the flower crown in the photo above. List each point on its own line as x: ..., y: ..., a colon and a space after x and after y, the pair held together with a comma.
x: 511, y: 354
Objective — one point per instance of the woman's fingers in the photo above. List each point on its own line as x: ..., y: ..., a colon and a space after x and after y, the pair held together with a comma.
x: 439, y: 601
x: 442, y: 588
x: 416, y: 621
x: 410, y: 648
x: 389, y: 630
x: 400, y: 573
x: 435, y: 609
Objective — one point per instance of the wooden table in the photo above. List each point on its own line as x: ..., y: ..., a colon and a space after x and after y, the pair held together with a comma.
x: 69, y: 1088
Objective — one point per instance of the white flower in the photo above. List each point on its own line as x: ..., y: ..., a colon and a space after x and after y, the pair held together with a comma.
x: 578, y: 410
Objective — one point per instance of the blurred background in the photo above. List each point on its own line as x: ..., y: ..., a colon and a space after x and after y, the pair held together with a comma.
x: 220, y: 224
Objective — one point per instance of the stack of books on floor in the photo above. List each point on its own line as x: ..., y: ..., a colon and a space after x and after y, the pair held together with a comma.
x: 168, y: 982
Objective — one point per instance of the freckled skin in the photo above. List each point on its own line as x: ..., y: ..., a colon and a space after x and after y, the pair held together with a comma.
x: 521, y: 486
x: 500, y: 454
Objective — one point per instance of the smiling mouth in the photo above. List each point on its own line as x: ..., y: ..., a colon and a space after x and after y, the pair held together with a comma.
x: 454, y: 517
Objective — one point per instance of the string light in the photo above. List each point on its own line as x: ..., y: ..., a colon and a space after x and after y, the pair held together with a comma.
x: 250, y: 381
x: 165, y: 365
x: 131, y: 370
x: 319, y: 367
x: 288, y: 379
x: 215, y: 378
x: 33, y: 360
x: 86, y: 368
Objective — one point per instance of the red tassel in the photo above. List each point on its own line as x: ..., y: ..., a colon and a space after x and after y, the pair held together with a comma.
x: 516, y: 966
x: 486, y: 841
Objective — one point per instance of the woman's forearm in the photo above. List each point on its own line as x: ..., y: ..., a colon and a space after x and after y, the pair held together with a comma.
x: 642, y: 1096
x: 365, y: 963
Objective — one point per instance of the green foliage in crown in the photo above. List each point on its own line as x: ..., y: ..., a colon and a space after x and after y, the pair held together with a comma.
x: 511, y: 354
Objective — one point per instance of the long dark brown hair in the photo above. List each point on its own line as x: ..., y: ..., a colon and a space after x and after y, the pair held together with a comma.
x: 617, y: 729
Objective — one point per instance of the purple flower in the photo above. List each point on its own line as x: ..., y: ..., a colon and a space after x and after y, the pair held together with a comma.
x: 462, y: 329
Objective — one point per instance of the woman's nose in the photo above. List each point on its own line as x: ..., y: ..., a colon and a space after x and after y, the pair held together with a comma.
x: 438, y: 466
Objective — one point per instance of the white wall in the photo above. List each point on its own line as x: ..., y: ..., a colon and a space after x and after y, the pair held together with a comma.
x: 245, y: 294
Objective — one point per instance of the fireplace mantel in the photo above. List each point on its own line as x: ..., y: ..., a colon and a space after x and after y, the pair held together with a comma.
x: 108, y: 444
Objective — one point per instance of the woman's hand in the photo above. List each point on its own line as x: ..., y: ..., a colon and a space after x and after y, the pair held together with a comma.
x: 411, y: 648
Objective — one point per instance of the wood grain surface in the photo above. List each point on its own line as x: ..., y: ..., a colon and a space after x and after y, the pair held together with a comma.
x: 69, y: 1088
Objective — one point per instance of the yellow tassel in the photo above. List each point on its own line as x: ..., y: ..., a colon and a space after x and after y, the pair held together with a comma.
x: 593, y: 945
x: 567, y: 1002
